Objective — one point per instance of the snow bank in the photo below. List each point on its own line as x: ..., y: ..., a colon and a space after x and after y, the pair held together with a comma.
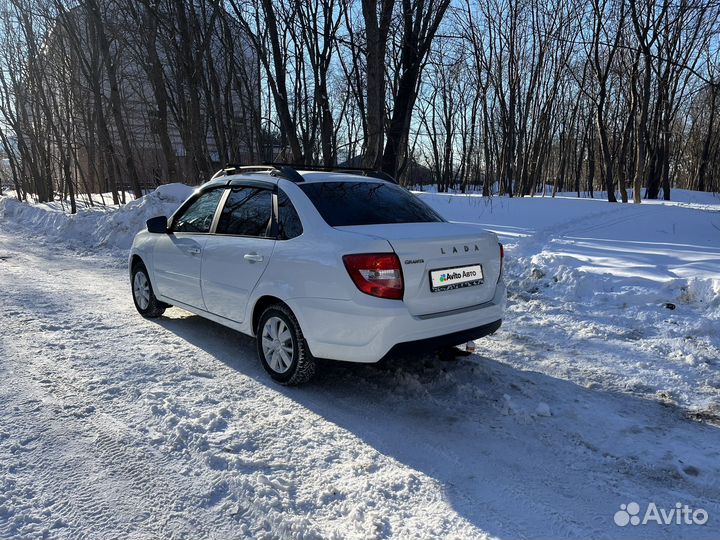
x: 670, y: 249
x: 618, y: 296
x: 97, y: 227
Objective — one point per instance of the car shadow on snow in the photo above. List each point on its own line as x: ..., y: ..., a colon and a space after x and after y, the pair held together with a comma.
x: 517, y: 453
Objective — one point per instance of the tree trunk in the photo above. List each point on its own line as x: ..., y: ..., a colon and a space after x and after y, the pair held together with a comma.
x: 115, y: 99
x: 705, y: 153
x: 156, y: 77
x: 377, y: 27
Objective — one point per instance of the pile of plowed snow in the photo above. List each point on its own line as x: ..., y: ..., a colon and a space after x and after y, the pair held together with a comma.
x: 654, y: 252
x: 96, y: 227
x: 621, y: 296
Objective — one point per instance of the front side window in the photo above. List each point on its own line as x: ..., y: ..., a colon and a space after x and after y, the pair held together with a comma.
x: 247, y: 212
x: 367, y: 203
x: 198, y: 217
x: 289, y: 225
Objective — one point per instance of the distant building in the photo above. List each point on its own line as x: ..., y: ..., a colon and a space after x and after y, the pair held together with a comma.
x: 85, y: 123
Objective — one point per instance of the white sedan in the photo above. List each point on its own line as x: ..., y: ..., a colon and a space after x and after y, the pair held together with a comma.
x: 343, y: 265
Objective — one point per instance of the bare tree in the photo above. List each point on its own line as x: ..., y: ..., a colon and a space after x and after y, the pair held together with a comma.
x: 507, y: 96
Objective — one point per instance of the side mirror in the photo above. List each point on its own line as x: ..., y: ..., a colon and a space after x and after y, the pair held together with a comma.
x: 157, y: 225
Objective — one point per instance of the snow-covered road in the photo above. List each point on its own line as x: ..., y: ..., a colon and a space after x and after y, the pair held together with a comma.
x: 112, y: 426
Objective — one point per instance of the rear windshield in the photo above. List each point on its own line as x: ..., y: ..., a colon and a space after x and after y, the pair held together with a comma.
x: 367, y: 203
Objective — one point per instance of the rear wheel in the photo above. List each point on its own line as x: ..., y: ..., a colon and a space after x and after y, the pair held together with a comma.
x: 145, y: 301
x: 282, y: 348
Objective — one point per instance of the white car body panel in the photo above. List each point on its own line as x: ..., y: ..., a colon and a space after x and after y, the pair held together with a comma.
x: 356, y: 332
x: 307, y: 273
x: 177, y: 263
x: 231, y: 268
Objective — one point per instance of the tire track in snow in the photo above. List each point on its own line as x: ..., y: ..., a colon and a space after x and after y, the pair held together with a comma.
x: 260, y: 500
x: 127, y: 474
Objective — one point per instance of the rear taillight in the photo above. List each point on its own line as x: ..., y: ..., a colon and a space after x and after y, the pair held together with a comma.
x: 376, y: 274
x: 502, y: 260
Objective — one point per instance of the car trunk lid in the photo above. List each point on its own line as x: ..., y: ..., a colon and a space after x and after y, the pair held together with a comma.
x: 453, y: 251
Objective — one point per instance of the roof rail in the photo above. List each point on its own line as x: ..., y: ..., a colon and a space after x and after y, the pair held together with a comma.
x: 281, y: 170
x: 382, y: 175
x: 373, y: 173
x: 237, y: 169
x: 289, y: 171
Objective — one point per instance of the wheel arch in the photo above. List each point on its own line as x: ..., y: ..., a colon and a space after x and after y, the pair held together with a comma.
x: 136, y: 259
x: 261, y: 304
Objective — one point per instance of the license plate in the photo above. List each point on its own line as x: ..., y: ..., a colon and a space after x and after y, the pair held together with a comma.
x: 456, y: 278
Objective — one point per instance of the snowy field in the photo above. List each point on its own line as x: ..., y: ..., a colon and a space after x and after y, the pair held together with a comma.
x: 602, y: 388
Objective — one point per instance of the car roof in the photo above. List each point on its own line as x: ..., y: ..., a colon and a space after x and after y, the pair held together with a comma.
x: 339, y: 176
x: 268, y: 178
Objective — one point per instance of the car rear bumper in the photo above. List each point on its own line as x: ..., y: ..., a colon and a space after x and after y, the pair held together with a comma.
x: 346, y: 330
x: 447, y: 340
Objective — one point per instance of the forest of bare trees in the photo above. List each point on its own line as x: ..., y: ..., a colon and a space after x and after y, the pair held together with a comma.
x: 611, y: 98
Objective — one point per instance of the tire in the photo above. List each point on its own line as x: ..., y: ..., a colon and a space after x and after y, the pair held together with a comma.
x: 278, y: 335
x: 143, y: 295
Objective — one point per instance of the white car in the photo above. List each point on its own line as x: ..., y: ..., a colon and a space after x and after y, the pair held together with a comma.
x: 342, y: 265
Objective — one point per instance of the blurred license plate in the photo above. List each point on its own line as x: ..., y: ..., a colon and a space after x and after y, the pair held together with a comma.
x: 456, y: 278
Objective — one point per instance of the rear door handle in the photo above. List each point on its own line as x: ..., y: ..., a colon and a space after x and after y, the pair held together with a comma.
x: 253, y: 257
x: 194, y: 251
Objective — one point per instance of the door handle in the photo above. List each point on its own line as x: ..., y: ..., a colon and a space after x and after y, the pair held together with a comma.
x: 253, y: 257
x: 194, y: 251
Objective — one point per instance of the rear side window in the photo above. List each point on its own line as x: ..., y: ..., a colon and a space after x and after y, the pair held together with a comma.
x: 367, y: 203
x: 289, y: 225
x: 199, y: 215
x: 247, y: 212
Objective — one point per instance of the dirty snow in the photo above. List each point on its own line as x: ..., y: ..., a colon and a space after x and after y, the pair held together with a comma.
x: 592, y: 395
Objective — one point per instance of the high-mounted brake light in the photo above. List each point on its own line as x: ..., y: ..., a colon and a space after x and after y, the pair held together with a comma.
x: 502, y: 260
x: 376, y: 274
